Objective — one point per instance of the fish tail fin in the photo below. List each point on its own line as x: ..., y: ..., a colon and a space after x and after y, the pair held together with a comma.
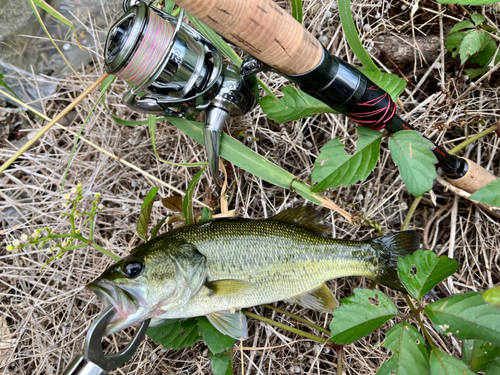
x: 390, y: 248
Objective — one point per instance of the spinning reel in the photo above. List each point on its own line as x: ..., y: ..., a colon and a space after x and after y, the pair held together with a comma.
x: 174, y: 71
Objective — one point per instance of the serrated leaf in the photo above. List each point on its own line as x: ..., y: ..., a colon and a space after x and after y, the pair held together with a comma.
x: 423, y: 270
x: 206, y: 215
x: 493, y: 369
x: 479, y: 354
x: 412, y: 154
x: 361, y: 314
x: 484, y: 56
x: 489, y: 194
x: 294, y: 105
x: 391, y: 83
x: 187, y: 204
x: 147, y: 206
x: 213, y: 338
x: 460, y: 26
x: 492, y: 296
x: 409, y: 355
x: 175, y: 334
x: 477, y: 18
x: 454, y: 40
x: 466, y: 316
x: 221, y: 363
x: 472, y: 43
x: 335, y: 167
x: 173, y: 203
x: 445, y: 364
x: 468, y: 2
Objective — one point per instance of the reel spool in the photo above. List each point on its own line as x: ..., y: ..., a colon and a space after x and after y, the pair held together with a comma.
x: 175, y: 71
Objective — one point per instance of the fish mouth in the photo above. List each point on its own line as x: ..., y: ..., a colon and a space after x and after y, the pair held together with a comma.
x: 124, y: 303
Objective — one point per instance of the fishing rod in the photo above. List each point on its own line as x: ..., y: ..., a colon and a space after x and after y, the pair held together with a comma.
x: 275, y: 39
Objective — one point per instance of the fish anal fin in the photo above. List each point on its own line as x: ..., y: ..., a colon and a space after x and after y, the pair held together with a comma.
x: 305, y: 216
x: 320, y: 299
x: 230, y: 324
x: 230, y: 287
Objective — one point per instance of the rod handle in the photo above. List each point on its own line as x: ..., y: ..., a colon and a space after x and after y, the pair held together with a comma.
x: 262, y: 29
x: 474, y: 179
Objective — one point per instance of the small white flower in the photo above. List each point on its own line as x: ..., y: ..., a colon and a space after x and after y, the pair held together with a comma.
x: 101, y: 206
x: 73, y: 190
x: 66, y: 196
x: 16, y: 243
x: 24, y: 238
x: 36, y: 234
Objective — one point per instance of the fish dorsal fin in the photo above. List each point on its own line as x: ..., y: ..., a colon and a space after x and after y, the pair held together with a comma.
x: 230, y: 287
x: 305, y: 216
x: 229, y: 323
x: 320, y: 299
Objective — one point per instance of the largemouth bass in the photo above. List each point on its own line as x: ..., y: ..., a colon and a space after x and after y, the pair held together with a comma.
x: 221, y: 266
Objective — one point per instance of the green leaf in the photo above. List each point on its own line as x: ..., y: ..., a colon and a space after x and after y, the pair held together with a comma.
x: 489, y: 194
x: 468, y: 2
x: 187, y: 204
x: 4, y: 84
x: 460, y: 26
x: 169, y: 6
x: 493, y: 369
x: 472, y: 43
x: 335, y: 167
x: 361, y: 314
x: 297, y: 10
x: 147, y: 206
x: 492, y: 296
x: 243, y: 157
x: 206, y: 215
x: 294, y: 105
x: 409, y: 355
x: 391, y: 83
x: 221, y: 363
x: 214, y: 339
x: 479, y: 354
x: 466, y: 316
x: 453, y: 42
x: 158, y: 226
x: 175, y: 334
x: 473, y: 73
x: 216, y: 40
x: 477, y: 18
x: 423, y: 270
x: 352, y: 35
x: 484, y: 56
x: 412, y: 154
x: 445, y: 364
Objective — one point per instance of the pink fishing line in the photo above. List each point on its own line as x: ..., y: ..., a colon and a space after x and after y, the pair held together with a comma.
x: 150, y: 52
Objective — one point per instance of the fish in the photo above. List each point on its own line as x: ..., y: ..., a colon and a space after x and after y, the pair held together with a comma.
x: 219, y: 267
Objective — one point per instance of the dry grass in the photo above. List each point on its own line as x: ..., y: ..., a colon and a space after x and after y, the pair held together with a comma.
x: 45, y: 313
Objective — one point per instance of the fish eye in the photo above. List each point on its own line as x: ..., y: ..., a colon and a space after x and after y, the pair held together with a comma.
x: 133, y: 269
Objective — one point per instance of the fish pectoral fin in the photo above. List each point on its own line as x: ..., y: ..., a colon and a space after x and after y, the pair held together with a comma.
x: 230, y: 287
x: 320, y: 299
x: 230, y: 324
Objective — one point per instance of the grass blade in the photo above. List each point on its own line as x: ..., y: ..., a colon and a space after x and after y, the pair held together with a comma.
x: 147, y: 206
x: 187, y: 204
x: 297, y: 9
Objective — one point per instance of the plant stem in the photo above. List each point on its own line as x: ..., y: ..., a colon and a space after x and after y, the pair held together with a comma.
x: 300, y: 319
x: 340, y: 359
x: 97, y: 247
x: 266, y: 89
x: 417, y: 316
x: 46, y: 128
x: 299, y: 332
x: 468, y: 141
x: 411, y: 211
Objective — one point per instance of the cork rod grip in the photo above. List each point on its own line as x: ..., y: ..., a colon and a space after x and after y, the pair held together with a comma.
x: 475, y: 178
x: 262, y: 29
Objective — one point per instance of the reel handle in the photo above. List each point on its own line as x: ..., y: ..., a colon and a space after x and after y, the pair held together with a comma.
x: 474, y: 179
x: 262, y: 29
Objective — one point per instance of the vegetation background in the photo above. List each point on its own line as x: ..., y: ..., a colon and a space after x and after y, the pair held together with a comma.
x: 46, y: 313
